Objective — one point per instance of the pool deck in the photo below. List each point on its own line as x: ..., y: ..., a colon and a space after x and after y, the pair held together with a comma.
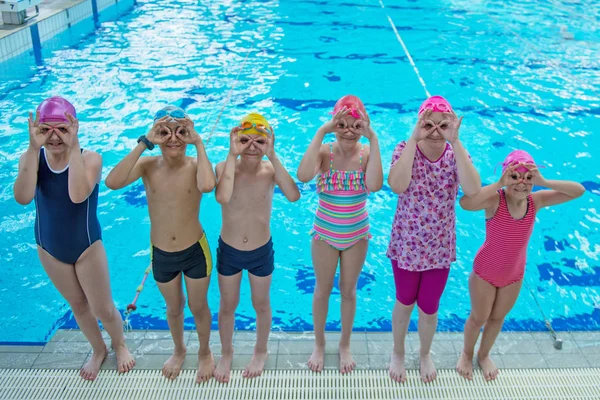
x: 68, y: 349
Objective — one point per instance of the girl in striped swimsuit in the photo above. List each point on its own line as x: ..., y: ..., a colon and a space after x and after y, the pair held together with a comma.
x: 347, y: 171
x: 499, y: 266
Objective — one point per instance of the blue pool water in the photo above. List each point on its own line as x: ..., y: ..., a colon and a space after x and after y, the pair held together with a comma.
x: 503, y: 66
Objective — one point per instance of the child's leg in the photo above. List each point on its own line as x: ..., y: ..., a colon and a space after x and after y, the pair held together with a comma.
x: 92, y: 272
x: 483, y: 295
x: 172, y: 292
x: 352, y: 261
x: 197, y: 290
x: 65, y: 280
x: 431, y: 288
x: 229, y: 288
x: 325, y: 260
x: 506, y: 298
x: 407, y: 288
x: 261, y: 301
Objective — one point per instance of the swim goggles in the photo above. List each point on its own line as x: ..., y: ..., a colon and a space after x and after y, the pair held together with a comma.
x: 247, y: 125
x: 176, y: 113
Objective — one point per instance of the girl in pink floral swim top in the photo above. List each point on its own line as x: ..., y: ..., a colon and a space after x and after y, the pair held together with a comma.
x: 425, y: 173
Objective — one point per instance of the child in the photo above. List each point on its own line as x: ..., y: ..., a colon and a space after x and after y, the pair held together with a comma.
x: 347, y: 171
x: 499, y: 266
x: 63, y: 180
x: 174, y: 186
x: 245, y: 192
x: 426, y: 171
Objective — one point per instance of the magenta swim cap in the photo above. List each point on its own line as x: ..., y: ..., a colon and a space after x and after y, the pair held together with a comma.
x: 53, y: 109
x: 435, y: 104
x: 353, y: 103
x: 515, y: 157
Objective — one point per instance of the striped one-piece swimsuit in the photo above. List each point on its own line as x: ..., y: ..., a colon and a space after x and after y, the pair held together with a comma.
x: 501, y: 259
x: 341, y: 219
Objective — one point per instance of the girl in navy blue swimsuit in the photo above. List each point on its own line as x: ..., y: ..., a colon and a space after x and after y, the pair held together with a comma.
x: 63, y: 180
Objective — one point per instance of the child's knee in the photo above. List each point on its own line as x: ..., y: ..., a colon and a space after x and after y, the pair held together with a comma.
x: 261, y: 305
x: 80, y: 306
x: 198, y: 307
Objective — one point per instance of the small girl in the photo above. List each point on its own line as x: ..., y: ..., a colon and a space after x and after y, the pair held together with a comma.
x: 63, y: 180
x: 499, y: 266
x: 426, y: 171
x: 347, y: 171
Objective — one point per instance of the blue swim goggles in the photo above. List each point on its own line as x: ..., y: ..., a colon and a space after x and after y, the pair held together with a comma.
x: 171, y: 111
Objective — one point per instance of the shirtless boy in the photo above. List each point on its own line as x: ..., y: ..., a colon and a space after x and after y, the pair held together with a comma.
x: 245, y: 191
x: 174, y: 186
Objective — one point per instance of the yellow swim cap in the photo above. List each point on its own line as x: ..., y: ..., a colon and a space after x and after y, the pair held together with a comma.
x: 252, y: 121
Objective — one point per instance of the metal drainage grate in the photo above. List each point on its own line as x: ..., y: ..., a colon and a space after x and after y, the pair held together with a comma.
x: 289, y: 384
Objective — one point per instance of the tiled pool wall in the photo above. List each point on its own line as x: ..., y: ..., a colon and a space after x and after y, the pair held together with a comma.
x: 31, y: 37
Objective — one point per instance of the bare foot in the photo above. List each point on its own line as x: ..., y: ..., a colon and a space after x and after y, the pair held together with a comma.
x: 89, y: 371
x: 397, y: 368
x: 125, y: 361
x: 465, y: 366
x: 206, y: 367
x: 256, y: 365
x: 172, y: 367
x: 347, y: 363
x: 490, y: 372
x: 315, y: 363
x: 224, y: 368
x: 428, y: 372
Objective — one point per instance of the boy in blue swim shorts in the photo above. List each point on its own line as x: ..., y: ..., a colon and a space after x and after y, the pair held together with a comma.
x: 245, y: 189
x: 174, y: 186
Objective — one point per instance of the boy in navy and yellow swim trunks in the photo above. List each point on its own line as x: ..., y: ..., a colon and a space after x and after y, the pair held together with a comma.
x: 245, y: 191
x: 174, y: 186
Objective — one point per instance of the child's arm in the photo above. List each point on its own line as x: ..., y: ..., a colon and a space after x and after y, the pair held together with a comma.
x: 311, y: 161
x: 84, y: 169
x: 24, y: 187
x: 487, y: 198
x: 467, y: 174
x: 282, y: 178
x: 401, y: 171
x: 560, y: 191
x: 226, y: 170
x: 205, y: 177
x: 131, y: 168
x: 374, y: 170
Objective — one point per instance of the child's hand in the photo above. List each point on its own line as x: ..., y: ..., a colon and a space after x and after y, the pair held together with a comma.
x: 509, y: 176
x: 186, y: 132
x: 187, y: 136
x: 68, y: 132
x: 160, y: 132
x: 236, y: 147
x: 424, y: 127
x: 451, y: 132
x: 37, y: 136
x: 535, y: 174
x: 362, y: 125
x: 267, y: 147
x: 337, y: 123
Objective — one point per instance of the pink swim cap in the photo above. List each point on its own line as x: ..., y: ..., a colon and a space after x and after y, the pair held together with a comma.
x: 351, y: 102
x: 53, y: 109
x: 515, y: 157
x: 435, y: 104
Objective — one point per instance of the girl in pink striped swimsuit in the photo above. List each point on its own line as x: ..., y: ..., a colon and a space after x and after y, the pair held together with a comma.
x: 346, y: 172
x: 499, y: 266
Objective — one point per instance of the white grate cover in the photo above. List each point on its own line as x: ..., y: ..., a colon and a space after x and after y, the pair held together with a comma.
x: 519, y: 384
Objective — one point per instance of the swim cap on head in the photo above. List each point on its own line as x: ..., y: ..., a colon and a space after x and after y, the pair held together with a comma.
x: 515, y: 157
x: 53, y: 109
x: 351, y: 102
x: 435, y: 104
x: 171, y: 111
x: 251, y: 122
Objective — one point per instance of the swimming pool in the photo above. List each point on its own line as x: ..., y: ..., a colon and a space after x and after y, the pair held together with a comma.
x: 504, y: 67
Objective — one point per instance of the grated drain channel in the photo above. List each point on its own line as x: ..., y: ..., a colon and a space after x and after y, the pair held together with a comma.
x: 301, y: 384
